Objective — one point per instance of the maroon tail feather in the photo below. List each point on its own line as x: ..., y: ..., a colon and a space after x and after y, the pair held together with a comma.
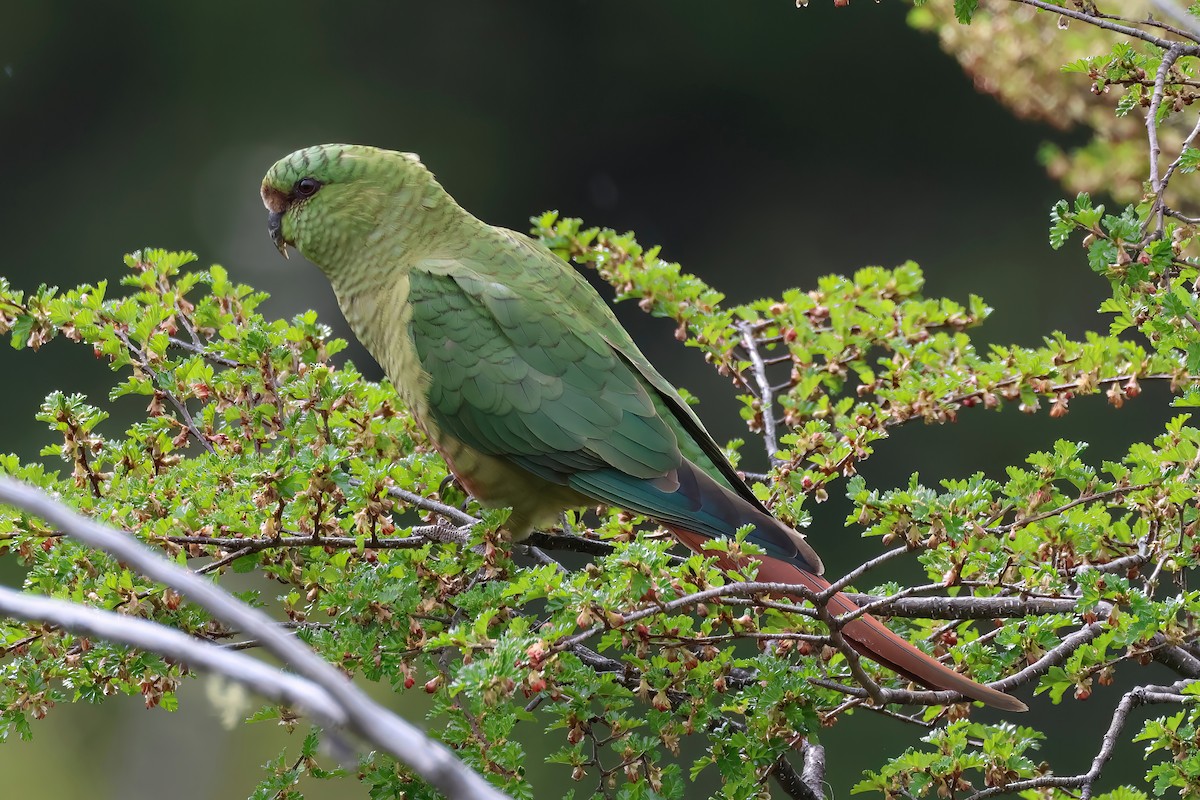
x: 868, y: 635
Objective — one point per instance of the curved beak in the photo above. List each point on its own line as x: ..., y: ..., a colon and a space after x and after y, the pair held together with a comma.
x: 275, y: 228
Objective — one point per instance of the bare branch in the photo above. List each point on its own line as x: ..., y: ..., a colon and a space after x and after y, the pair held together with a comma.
x: 1174, y: 165
x: 1053, y: 658
x: 862, y: 569
x: 449, y: 512
x: 901, y: 696
x: 964, y: 607
x: 814, y: 768
x: 1175, y: 657
x: 258, y: 543
x: 1085, y: 498
x: 1180, y: 15
x: 1158, y: 186
x: 262, y: 679
x: 766, y: 393
x: 1142, y: 695
x: 806, y: 785
x: 383, y: 729
x: 1109, y: 25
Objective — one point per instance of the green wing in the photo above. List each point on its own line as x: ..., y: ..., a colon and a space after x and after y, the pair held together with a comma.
x: 528, y: 364
x: 518, y: 372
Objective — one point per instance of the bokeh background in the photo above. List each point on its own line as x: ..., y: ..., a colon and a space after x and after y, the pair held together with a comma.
x: 762, y: 145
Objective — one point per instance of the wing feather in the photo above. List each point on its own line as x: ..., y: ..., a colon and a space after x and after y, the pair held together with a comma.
x: 514, y: 373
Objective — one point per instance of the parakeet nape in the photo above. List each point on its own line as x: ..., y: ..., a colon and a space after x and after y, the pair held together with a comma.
x: 523, y: 378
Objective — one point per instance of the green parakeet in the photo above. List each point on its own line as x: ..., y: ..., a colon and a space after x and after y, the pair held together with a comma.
x: 523, y: 378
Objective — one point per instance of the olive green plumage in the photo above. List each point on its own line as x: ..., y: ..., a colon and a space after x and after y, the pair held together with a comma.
x: 516, y: 368
x: 522, y: 376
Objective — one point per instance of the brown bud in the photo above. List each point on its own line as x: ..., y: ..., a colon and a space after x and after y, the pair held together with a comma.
x: 1115, y: 395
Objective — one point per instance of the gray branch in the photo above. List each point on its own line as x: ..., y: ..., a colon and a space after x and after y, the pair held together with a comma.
x: 766, y: 394
x: 263, y: 679
x: 429, y: 759
x: 1141, y: 696
x: 1180, y: 15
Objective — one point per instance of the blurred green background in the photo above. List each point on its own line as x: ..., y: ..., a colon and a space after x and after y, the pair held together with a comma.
x: 762, y: 145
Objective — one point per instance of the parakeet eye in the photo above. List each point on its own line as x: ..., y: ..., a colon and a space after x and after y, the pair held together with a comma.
x: 307, y: 187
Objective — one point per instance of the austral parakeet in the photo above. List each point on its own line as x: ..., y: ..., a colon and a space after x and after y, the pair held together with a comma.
x: 522, y: 376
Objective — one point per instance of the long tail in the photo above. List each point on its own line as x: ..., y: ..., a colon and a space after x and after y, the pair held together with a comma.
x: 866, y: 634
x: 696, y: 508
x: 871, y: 637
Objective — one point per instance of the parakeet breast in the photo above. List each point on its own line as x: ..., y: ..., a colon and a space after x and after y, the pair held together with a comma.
x: 380, y: 315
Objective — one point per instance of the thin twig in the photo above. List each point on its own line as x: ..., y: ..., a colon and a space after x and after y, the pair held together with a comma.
x: 418, y: 501
x: 1109, y: 25
x: 766, y: 396
x: 1001, y: 530
x: 1174, y: 165
x: 1171, y: 9
x: 1158, y: 186
x: 862, y: 569
x: 257, y: 544
x: 221, y: 563
x: 181, y: 407
x: 740, y: 589
x: 206, y: 353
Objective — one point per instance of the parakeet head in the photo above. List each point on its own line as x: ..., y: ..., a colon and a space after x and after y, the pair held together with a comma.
x: 331, y: 200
